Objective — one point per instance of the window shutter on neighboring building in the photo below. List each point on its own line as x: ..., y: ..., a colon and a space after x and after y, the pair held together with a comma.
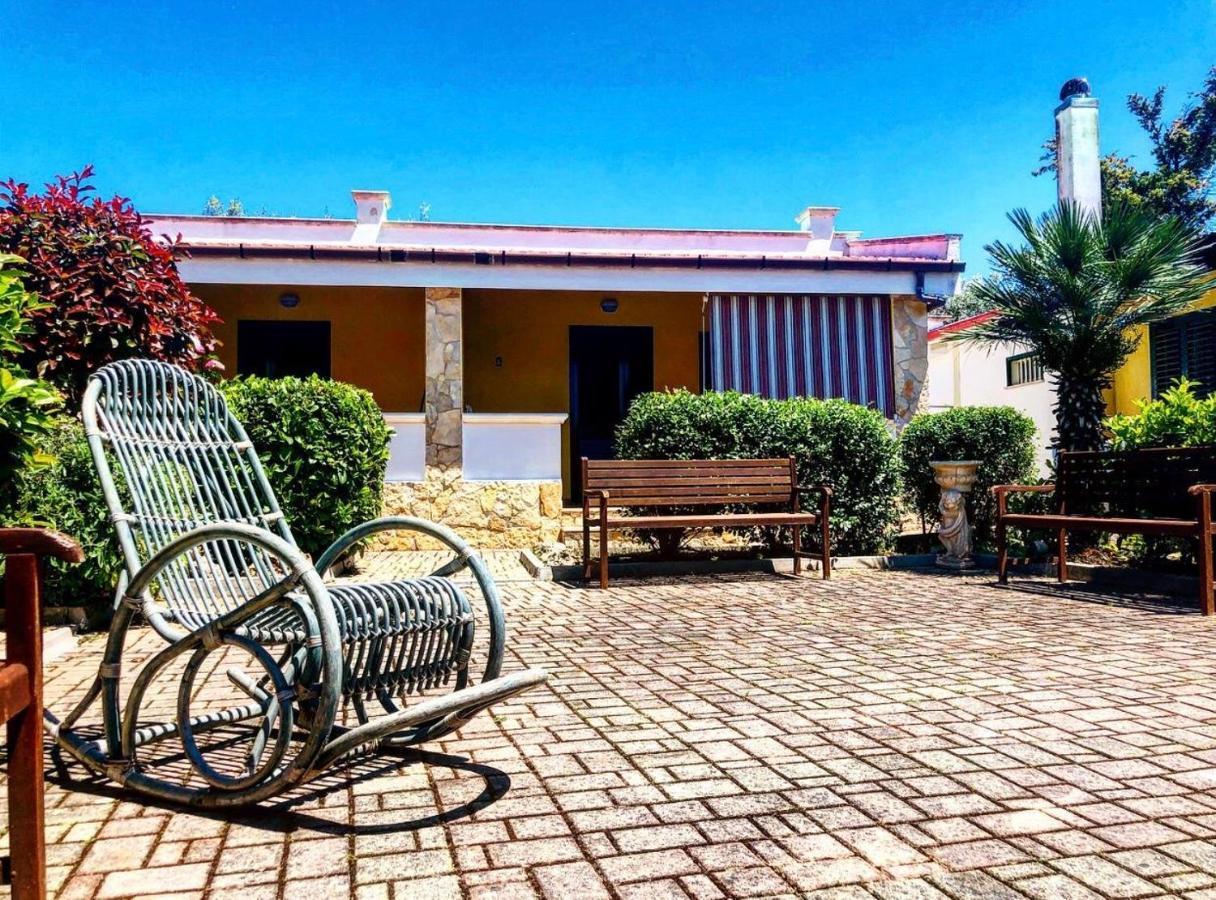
x: 1184, y: 347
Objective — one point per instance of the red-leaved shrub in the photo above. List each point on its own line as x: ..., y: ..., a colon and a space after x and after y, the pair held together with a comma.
x: 113, y: 291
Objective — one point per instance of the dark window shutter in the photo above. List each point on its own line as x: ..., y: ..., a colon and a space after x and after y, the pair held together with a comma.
x: 1165, y: 346
x: 1199, y: 345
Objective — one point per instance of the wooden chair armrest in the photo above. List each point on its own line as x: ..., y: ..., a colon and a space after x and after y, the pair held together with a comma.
x: 822, y: 488
x: 39, y: 542
x: 1196, y: 489
x: 1023, y: 488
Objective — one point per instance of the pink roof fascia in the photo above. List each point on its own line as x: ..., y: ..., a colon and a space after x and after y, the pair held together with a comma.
x: 962, y: 324
x: 220, y: 231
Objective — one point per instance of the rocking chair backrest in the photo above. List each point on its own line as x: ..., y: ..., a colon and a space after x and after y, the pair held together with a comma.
x: 183, y: 462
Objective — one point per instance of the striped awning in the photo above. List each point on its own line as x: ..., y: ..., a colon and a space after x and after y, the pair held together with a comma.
x: 781, y: 345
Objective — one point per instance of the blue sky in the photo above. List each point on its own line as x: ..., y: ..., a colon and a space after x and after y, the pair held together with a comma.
x: 912, y: 117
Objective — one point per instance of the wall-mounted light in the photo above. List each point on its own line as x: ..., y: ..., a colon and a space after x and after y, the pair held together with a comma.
x: 609, y: 304
x: 289, y: 301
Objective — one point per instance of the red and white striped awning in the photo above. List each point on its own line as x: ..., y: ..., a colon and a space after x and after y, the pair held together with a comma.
x: 802, y: 346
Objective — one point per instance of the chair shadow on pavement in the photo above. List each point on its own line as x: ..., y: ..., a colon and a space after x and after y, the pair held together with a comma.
x: 302, y: 808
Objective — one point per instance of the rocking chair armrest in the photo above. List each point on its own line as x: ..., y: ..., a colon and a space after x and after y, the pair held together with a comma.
x: 39, y: 542
x: 390, y: 523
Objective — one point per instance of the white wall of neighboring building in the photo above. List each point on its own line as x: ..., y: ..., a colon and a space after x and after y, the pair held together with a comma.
x: 972, y: 374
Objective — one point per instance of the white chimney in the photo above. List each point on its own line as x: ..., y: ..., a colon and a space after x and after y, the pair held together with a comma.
x: 819, y: 221
x: 371, y: 207
x: 1078, y: 165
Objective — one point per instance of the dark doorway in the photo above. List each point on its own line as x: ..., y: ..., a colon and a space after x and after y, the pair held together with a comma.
x: 276, y: 349
x: 609, y: 366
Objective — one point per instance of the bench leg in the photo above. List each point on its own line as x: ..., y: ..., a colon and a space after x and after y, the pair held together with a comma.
x: 1061, y: 556
x: 603, y: 555
x: 1002, y: 553
x: 826, y: 545
x: 1207, y: 595
x: 796, y: 541
x: 586, y: 549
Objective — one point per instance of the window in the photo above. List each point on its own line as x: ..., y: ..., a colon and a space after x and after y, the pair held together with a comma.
x: 1024, y: 368
x: 276, y: 349
x: 1184, y: 347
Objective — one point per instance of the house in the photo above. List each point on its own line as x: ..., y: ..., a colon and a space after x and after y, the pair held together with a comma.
x: 503, y: 353
x: 963, y: 373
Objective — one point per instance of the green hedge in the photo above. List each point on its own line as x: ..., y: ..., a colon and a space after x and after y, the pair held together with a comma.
x: 834, y: 442
x: 1000, y: 437
x: 324, y: 446
x: 66, y: 495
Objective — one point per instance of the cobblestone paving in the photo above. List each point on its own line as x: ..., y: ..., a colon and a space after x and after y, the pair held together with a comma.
x: 881, y: 735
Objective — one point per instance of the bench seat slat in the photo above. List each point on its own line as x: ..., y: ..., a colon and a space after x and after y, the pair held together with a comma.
x: 1102, y: 523
x: 725, y: 520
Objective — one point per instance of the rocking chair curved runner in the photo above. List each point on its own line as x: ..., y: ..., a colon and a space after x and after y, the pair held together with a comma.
x: 211, y: 565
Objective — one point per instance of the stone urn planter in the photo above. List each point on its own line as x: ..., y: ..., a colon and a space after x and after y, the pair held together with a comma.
x: 955, y: 478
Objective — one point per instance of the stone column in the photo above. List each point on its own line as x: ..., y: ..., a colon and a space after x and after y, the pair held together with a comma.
x: 910, y: 352
x: 444, y: 381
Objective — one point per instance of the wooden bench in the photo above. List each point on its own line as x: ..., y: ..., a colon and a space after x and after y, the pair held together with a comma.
x: 21, y: 698
x: 1160, y: 491
x: 656, y: 485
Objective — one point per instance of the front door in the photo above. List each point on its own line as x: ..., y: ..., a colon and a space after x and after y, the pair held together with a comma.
x: 609, y: 366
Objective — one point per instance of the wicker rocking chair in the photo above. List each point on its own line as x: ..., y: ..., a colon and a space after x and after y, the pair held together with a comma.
x: 211, y: 565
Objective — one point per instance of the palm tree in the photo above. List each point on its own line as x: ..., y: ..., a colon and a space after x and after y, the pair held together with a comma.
x: 1074, y: 294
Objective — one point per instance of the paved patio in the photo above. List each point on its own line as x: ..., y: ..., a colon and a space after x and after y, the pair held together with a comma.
x: 879, y: 735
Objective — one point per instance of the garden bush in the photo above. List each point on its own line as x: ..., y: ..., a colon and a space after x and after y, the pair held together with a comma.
x: 111, y: 290
x: 1000, y: 437
x: 324, y: 446
x: 27, y: 405
x: 65, y: 494
x: 1178, y: 418
x: 834, y: 442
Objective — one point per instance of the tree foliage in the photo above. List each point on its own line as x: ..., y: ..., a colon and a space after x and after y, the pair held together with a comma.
x: 1076, y: 290
x: 111, y: 291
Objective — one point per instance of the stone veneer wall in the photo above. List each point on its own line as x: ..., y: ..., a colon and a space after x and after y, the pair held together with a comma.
x: 490, y: 515
x: 910, y: 346
x: 444, y: 399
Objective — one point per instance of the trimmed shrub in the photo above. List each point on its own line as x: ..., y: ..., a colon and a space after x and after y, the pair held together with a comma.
x: 111, y: 290
x: 65, y: 494
x: 324, y: 446
x: 1000, y: 437
x: 835, y: 442
x: 1177, y: 418
x: 27, y: 406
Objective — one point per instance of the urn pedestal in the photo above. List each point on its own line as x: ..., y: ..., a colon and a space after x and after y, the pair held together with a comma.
x: 956, y: 478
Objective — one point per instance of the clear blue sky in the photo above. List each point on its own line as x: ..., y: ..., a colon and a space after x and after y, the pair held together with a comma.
x: 912, y: 117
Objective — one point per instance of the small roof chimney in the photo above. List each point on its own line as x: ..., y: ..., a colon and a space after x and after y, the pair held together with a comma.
x: 820, y: 221
x: 1078, y: 163
x: 371, y: 207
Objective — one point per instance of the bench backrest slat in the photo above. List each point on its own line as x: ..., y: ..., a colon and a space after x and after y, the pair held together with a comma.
x: 697, y: 482
x: 1149, y: 483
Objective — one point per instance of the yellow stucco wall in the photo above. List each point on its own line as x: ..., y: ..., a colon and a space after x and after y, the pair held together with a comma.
x: 530, y: 330
x: 376, y: 333
x: 1133, y: 381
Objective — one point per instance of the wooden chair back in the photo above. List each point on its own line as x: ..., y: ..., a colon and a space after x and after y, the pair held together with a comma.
x: 692, y: 482
x: 1136, y: 484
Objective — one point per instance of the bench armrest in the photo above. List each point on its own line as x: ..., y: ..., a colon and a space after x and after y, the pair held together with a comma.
x: 1000, y: 489
x: 1196, y: 489
x: 39, y: 542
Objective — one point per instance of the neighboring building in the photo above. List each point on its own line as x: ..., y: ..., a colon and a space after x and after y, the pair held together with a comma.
x: 1184, y: 346
x: 965, y: 373
x: 503, y: 353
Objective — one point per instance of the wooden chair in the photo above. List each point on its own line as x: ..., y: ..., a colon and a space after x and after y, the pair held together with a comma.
x: 212, y: 566
x: 23, y: 550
